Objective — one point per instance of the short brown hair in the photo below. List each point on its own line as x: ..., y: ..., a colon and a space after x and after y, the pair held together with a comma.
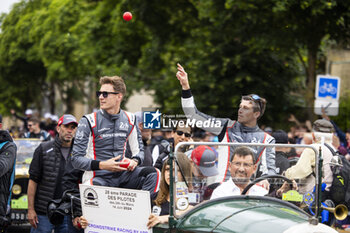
x: 243, y: 151
x: 35, y: 120
x: 117, y: 83
x: 258, y: 102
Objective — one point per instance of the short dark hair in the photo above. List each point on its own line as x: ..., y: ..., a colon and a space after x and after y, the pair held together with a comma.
x: 243, y: 151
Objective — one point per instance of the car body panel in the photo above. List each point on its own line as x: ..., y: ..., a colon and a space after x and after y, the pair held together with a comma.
x: 240, y: 214
x: 19, y: 201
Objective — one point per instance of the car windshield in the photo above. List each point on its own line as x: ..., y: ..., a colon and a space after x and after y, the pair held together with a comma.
x: 25, y: 150
x: 216, y: 177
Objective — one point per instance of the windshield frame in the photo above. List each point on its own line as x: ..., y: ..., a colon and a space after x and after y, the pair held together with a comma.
x: 174, y: 179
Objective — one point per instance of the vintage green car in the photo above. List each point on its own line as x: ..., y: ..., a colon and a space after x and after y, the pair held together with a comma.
x: 245, y: 213
x: 19, y: 199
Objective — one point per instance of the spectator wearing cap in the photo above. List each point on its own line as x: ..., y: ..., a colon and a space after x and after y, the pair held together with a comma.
x: 35, y: 131
x: 242, y: 167
x: 304, y: 168
x: 282, y: 162
x: 203, y: 162
x: 28, y: 114
x: 45, y: 175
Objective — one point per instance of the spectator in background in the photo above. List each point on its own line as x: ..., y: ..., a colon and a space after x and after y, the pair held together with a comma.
x: 35, y: 131
x: 160, y: 200
x: 299, y: 129
x: 282, y: 162
x: 167, y: 134
x: 28, y: 114
x: 156, y: 138
x: 146, y: 139
x: 181, y: 133
x: 304, y: 168
x: 203, y: 162
x: 49, y: 125
x: 8, y: 152
x: 268, y: 130
x: 342, y: 142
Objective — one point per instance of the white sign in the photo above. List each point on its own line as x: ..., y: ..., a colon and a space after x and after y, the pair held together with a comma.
x: 331, y: 107
x: 114, y: 209
x: 327, y: 87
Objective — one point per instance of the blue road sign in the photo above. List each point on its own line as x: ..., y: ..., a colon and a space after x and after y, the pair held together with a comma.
x: 327, y: 87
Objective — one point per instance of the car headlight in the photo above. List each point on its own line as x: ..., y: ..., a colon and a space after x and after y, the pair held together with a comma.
x: 16, y: 189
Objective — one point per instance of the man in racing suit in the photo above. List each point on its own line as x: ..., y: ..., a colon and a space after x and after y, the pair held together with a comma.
x: 244, y: 130
x: 105, y: 137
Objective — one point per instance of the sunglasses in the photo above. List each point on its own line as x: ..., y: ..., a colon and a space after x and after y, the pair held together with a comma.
x: 105, y: 93
x: 180, y: 133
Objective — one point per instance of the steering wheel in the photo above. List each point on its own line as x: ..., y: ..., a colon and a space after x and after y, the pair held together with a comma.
x: 246, y: 189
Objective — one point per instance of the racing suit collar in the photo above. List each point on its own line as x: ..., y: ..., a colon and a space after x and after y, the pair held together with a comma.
x: 249, y: 129
x: 110, y: 116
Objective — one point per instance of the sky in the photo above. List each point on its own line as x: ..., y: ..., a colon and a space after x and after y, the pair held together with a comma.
x: 5, y: 5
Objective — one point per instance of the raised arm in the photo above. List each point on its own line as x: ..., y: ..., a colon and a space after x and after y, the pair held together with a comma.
x: 191, y: 110
x: 182, y: 77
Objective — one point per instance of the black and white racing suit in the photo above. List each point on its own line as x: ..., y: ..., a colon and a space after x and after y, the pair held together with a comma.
x: 232, y: 131
x: 101, y: 136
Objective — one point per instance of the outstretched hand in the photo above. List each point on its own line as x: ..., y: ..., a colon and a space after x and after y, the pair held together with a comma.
x: 182, y: 77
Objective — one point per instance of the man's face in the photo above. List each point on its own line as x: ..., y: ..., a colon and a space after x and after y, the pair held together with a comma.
x: 67, y: 132
x: 32, y: 126
x: 112, y: 100
x: 246, y: 114
x: 182, y: 134
x: 242, y: 168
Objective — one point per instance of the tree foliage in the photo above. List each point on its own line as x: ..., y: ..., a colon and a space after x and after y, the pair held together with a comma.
x: 228, y: 47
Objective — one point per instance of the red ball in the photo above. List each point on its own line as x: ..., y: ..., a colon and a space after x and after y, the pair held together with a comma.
x: 126, y: 161
x: 127, y: 16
